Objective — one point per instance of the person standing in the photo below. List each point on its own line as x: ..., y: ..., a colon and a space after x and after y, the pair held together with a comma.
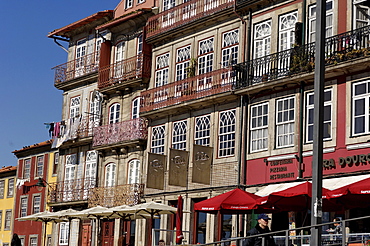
x: 15, y: 240
x: 260, y: 228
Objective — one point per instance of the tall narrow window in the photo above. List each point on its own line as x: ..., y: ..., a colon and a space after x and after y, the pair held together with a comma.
x: 2, y: 188
x: 182, y: 62
x: 114, y: 113
x: 80, y: 56
x: 23, y: 207
x: 134, y: 172
x: 10, y: 187
x: 227, y: 127
x: 287, y: 30
x: 205, y: 63
x: 120, y: 55
x: 26, y: 168
x: 168, y: 4
x: 69, y: 176
x: 63, y: 233
x: 285, y: 122
x: 203, y: 130
x: 36, y: 204
x: 110, y: 175
x: 95, y: 110
x: 1, y: 218
x: 362, y: 13
x: 327, y: 115
x: 162, y: 69
x: 40, y: 166
x: 135, y: 108
x: 158, y: 137
x: 179, y: 135
x: 230, y: 48
x: 262, y: 39
x: 259, y: 127
x: 74, y: 108
x: 33, y: 241
x: 56, y: 162
x: 129, y: 4
x: 328, y: 22
x: 360, y: 108
x: 8, y: 220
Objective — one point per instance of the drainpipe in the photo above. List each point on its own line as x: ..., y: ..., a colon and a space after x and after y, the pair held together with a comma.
x: 249, y: 37
x: 301, y: 135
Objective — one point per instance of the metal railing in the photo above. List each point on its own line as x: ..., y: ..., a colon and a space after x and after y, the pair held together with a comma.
x: 301, y: 59
x: 350, y: 239
x: 191, y: 88
x: 135, y: 129
x: 184, y: 13
x: 70, y: 190
x: 136, y: 67
x: 76, y: 68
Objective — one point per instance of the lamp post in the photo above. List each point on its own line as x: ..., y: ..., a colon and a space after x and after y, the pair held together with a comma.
x: 319, y: 80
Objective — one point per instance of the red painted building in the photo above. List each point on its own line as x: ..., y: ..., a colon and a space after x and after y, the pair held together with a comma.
x: 29, y: 199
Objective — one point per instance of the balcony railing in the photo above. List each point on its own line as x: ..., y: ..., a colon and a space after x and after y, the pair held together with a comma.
x: 128, y: 194
x: 183, y: 14
x: 137, y: 67
x: 76, y: 68
x: 71, y: 190
x: 135, y: 129
x: 340, y: 48
x: 196, y: 87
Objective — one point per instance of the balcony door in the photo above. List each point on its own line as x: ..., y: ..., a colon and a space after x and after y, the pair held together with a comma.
x: 69, y: 177
x: 109, y: 183
x: 90, y: 172
x: 81, y: 49
x: 262, y: 46
x: 205, y: 63
x: 119, y: 69
x: 95, y: 110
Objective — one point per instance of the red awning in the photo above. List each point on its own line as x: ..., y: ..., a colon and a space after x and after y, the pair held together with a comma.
x: 354, y: 195
x: 233, y: 201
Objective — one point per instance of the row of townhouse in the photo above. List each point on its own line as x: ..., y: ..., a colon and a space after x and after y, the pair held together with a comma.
x: 195, y: 98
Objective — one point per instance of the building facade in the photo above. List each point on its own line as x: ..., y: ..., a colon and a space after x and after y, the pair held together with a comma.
x: 7, y: 190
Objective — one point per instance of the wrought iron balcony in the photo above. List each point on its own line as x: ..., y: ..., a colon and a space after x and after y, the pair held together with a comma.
x: 349, y: 46
x: 137, y: 67
x: 76, y: 68
x: 196, y: 87
x: 125, y: 131
x: 70, y: 190
x: 183, y: 14
x: 128, y: 194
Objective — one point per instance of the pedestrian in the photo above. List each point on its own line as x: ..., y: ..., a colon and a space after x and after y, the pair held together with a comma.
x: 260, y: 228
x: 15, y: 240
x: 338, y: 226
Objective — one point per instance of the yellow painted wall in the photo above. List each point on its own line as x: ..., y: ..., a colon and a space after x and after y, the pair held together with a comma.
x: 7, y: 203
x: 51, y: 178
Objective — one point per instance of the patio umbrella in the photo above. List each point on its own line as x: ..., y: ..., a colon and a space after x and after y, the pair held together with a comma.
x: 296, y: 198
x: 44, y: 217
x: 354, y: 195
x: 179, y: 215
x: 92, y: 213
x: 66, y: 214
x: 234, y: 201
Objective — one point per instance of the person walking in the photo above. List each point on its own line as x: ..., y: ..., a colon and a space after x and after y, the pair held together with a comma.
x: 260, y: 228
x: 15, y: 240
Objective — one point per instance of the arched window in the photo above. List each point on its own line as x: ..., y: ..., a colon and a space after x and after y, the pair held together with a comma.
x: 110, y: 174
x: 133, y: 172
x: 135, y: 108
x: 114, y: 111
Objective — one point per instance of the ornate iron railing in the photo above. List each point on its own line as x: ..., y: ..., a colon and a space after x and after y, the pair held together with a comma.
x: 196, y: 87
x: 70, y: 190
x: 184, y: 13
x: 340, y: 48
x: 132, y: 68
x: 135, y: 129
x: 128, y: 194
x: 76, y: 68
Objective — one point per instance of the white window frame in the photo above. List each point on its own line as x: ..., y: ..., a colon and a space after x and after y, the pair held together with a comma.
x: 158, y: 139
x: 110, y: 174
x: 134, y: 172
x: 23, y: 206
x: 182, y: 62
x: 230, y: 48
x: 312, y: 20
x: 285, y: 122
x: 287, y: 30
x: 206, y: 55
x: 40, y: 166
x: 202, y: 132
x: 36, y: 203
x: 328, y: 117
x: 259, y: 133
x: 140, y: 1
x: 80, y: 56
x: 1, y: 218
x: 2, y: 188
x: 8, y: 220
x: 27, y: 168
x: 33, y: 240
x: 135, y: 108
x: 227, y: 132
x: 360, y: 18
x: 179, y: 132
x: 129, y: 4
x: 10, y: 192
x: 74, y: 108
x: 114, y: 113
x: 162, y: 69
x: 356, y: 113
x: 95, y: 109
x: 63, y: 233
x: 262, y: 39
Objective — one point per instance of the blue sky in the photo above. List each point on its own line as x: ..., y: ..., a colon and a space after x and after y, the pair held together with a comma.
x: 28, y: 97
